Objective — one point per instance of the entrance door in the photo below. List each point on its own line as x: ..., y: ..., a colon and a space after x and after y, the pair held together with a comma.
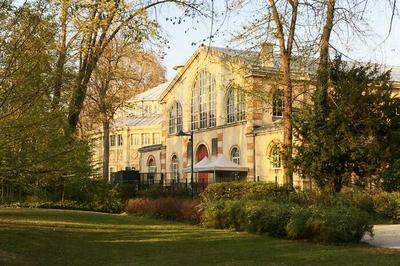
x: 200, y: 154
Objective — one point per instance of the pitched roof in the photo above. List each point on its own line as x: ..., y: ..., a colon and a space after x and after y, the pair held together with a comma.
x: 150, y: 120
x: 152, y: 94
x: 252, y: 57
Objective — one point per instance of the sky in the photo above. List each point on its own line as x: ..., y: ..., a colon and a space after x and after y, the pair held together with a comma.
x: 374, y: 48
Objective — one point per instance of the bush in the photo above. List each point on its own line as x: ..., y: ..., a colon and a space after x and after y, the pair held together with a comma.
x: 165, y: 208
x: 78, y: 193
x: 246, y: 191
x: 68, y: 205
x: 252, y: 216
x: 213, y: 215
x: 298, y: 226
x: 358, y: 198
x: 328, y: 223
x: 387, y: 205
x: 338, y: 224
x: 268, y: 217
x: 156, y: 192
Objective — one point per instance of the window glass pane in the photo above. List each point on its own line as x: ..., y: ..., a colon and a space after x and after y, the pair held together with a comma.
x: 276, y: 157
x: 235, y: 155
x: 156, y: 138
x: 230, y: 106
x: 212, y: 102
x: 277, y: 105
x: 112, y: 140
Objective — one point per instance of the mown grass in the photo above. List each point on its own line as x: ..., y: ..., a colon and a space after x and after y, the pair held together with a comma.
x: 59, y: 237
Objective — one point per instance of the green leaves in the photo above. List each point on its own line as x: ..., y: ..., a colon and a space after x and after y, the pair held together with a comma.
x: 349, y: 136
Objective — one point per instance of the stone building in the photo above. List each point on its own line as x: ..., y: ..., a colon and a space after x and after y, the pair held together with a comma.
x: 232, y: 102
x: 135, y: 126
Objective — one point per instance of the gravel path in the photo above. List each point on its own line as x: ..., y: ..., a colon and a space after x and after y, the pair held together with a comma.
x: 386, y: 236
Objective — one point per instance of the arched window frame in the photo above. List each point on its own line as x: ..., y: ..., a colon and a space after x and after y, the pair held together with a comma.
x: 235, y: 155
x: 235, y: 106
x: 203, y: 102
x: 175, y: 118
x: 151, y: 164
x: 276, y: 159
x: 174, y: 167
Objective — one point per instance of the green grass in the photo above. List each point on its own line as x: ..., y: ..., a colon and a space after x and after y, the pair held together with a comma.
x: 59, y: 237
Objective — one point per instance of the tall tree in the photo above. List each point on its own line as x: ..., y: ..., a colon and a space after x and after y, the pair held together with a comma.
x: 123, y: 71
x: 356, y: 141
x: 286, y: 47
x: 94, y: 24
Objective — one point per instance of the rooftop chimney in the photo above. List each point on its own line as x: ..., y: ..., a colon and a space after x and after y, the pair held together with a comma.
x: 267, y: 54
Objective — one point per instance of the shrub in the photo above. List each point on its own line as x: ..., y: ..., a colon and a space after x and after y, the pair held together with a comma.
x: 253, y: 216
x: 68, y: 205
x: 268, y: 217
x: 332, y: 222
x: 165, y: 208
x: 358, y: 198
x: 156, y: 192
x: 245, y: 191
x: 387, y: 204
x: 338, y: 224
x: 298, y: 226
x: 213, y: 214
x: 191, y: 211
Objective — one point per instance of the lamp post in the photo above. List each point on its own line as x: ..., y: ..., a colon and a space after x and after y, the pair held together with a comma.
x: 182, y: 134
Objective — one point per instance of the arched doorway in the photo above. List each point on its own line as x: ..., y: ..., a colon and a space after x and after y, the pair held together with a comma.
x: 200, y: 154
x: 152, y: 169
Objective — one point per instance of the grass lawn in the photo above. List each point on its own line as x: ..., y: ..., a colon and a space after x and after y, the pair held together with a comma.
x: 58, y: 237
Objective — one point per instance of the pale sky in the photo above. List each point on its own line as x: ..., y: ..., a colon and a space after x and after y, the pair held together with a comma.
x: 374, y: 49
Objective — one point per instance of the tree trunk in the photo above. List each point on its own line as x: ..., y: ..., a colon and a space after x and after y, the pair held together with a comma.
x: 323, y: 71
x: 287, y: 124
x: 106, y: 149
x: 285, y: 59
x: 62, y: 54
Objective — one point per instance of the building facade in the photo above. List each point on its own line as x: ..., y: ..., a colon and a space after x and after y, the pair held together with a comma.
x: 232, y: 101
x: 135, y: 126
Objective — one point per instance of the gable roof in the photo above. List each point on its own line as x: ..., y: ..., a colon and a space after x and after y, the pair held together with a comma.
x: 151, y: 120
x: 152, y: 94
x: 252, y: 58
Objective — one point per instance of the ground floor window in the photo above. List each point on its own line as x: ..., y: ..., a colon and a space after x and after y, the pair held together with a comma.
x: 235, y: 155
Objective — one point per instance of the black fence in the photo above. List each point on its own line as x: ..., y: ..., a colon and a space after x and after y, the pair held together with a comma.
x: 170, y: 182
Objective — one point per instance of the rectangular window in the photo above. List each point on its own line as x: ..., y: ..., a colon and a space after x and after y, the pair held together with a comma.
x: 146, y: 139
x: 156, y: 138
x: 277, y: 105
x: 112, y: 140
x: 135, y: 139
x: 212, y: 103
x: 241, y: 108
x: 119, y: 140
x: 214, y: 146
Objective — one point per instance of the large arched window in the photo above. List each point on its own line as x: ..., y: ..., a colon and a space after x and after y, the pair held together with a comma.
x: 203, y: 103
x: 174, y: 167
x: 235, y: 155
x: 175, y: 118
x: 235, y: 106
